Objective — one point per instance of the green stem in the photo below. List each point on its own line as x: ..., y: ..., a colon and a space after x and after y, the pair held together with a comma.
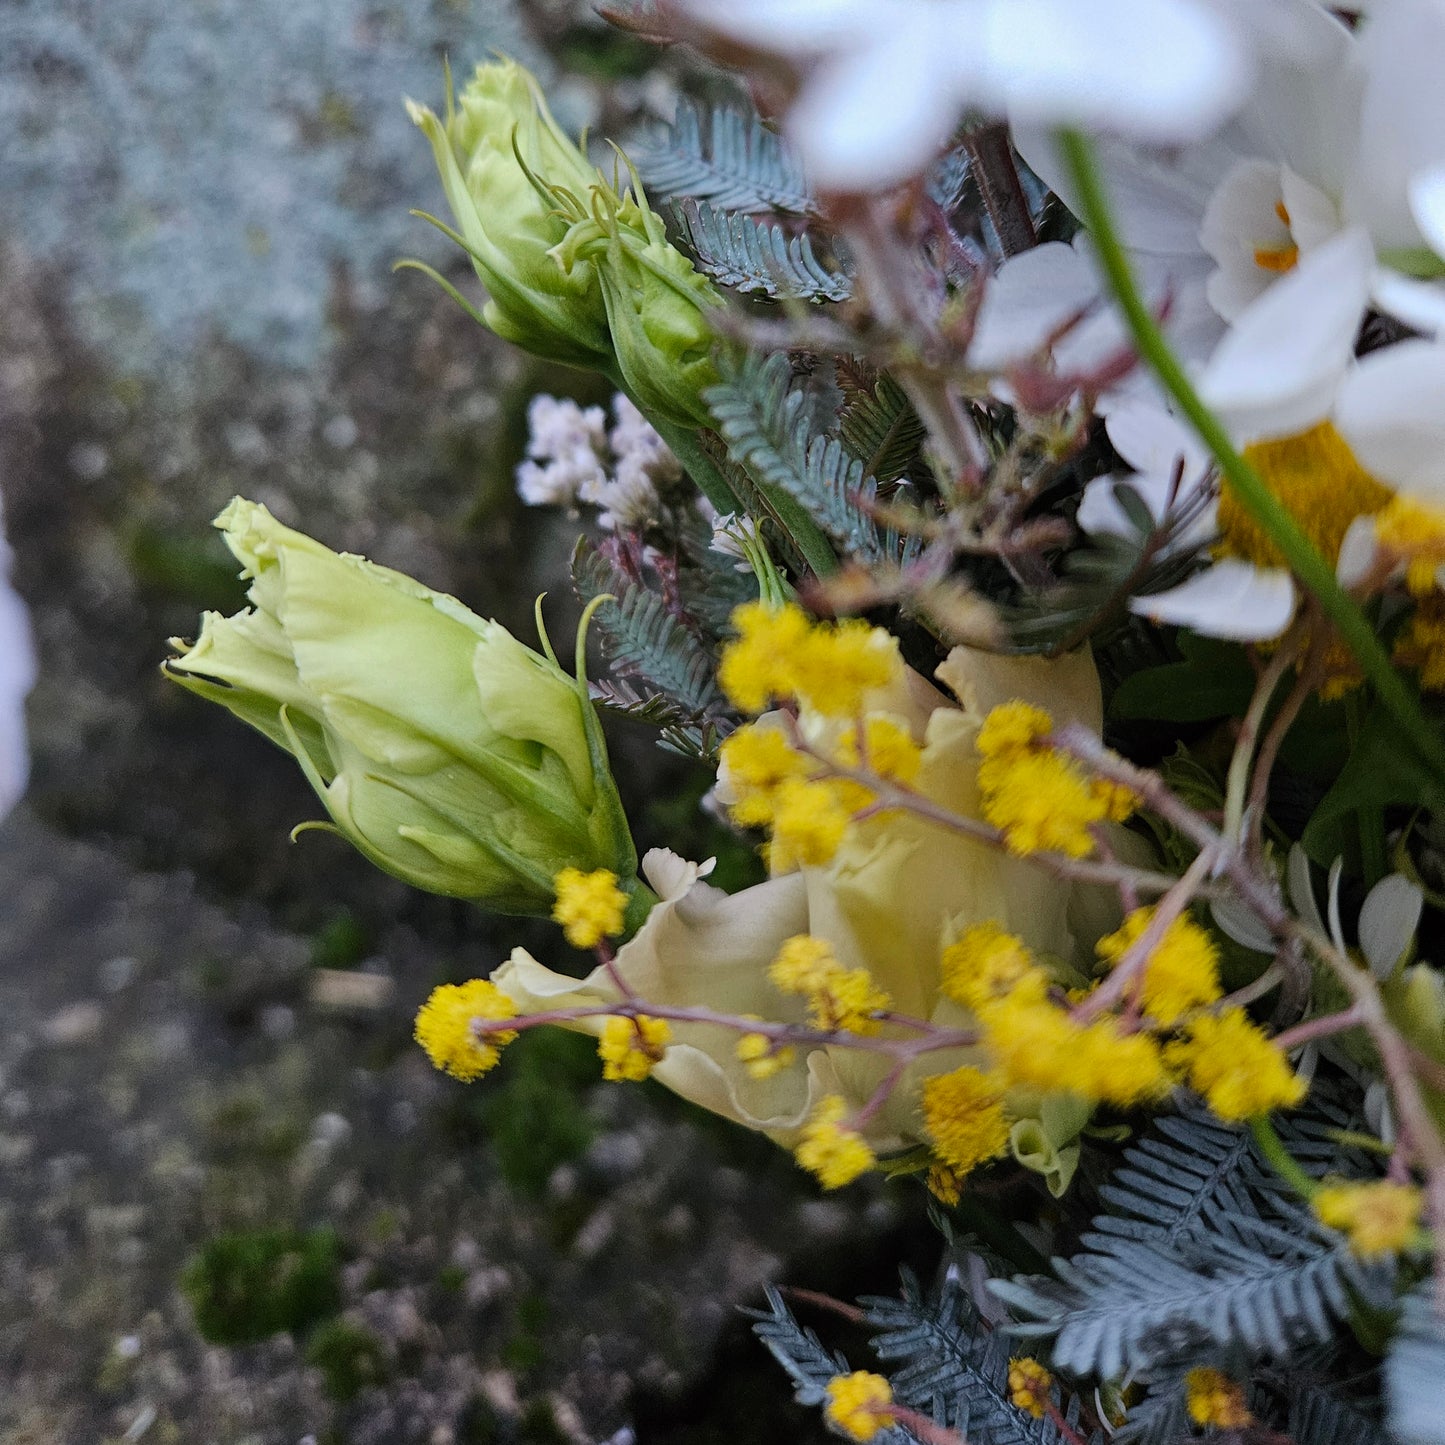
x: 1371, y: 816
x: 1248, y: 486
x: 700, y: 467
x: 803, y: 531
x: 1280, y: 1159
x: 641, y: 900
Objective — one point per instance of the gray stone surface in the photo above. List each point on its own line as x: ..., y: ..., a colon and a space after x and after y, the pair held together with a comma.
x: 145, y: 1105
x: 202, y: 202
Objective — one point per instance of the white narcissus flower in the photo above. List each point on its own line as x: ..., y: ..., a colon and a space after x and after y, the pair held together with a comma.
x: 17, y: 677
x: 884, y: 82
x: 1340, y: 129
x: 899, y: 889
x: 1332, y: 437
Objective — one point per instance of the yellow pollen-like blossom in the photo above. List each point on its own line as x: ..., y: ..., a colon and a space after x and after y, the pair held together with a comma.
x: 985, y: 965
x: 809, y: 824
x: 759, y: 761
x: 803, y: 964
x: 841, y: 664
x: 1317, y: 479
x: 1120, y: 802
x: 1379, y: 1217
x: 838, y: 997
x: 761, y: 1058
x: 1415, y: 532
x: 780, y: 653
x: 1421, y: 644
x: 761, y: 664
x: 1235, y: 1066
x: 1012, y: 727
x: 827, y: 1149
x: 444, y: 1027
x: 1213, y: 1399
x: 963, y: 1116
x: 630, y: 1047
x: 858, y: 1404
x: 1029, y: 1386
x: 1041, y: 802
x: 1036, y: 1044
x: 944, y: 1184
x: 889, y: 748
x: 590, y: 906
x: 1182, y: 972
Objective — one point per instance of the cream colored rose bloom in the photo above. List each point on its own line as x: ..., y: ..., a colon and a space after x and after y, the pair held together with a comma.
x: 897, y: 892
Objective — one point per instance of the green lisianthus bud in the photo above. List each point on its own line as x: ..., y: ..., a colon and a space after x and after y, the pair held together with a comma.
x: 658, y: 303
x: 450, y: 754
x: 501, y: 155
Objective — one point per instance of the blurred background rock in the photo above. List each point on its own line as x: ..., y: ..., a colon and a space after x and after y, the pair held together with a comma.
x: 235, y: 1204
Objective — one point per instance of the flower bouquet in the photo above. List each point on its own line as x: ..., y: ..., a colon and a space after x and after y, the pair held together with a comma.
x: 1025, y: 493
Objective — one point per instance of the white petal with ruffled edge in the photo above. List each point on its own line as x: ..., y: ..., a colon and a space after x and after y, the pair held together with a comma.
x: 1230, y: 599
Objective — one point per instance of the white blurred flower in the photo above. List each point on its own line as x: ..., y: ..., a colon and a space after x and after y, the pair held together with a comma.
x: 1332, y: 437
x: 1340, y: 129
x: 884, y: 82
x: 17, y: 676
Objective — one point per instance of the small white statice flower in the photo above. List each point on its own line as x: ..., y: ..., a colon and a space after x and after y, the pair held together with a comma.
x: 17, y: 676
x: 629, y: 498
x: 564, y: 452
x: 884, y: 82
x: 732, y: 535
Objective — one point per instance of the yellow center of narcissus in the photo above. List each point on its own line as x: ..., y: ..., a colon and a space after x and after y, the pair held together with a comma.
x: 1317, y: 479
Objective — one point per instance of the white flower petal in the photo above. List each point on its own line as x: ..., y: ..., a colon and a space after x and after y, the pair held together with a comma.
x: 1391, y: 410
x: 1419, y: 304
x: 1357, y: 552
x: 1427, y: 206
x: 876, y: 114
x: 1401, y: 132
x: 1389, y: 917
x: 1332, y: 903
x: 1241, y: 213
x: 672, y: 875
x: 796, y: 28
x: 1230, y: 599
x: 1151, y: 439
x: 1276, y: 372
x: 1030, y: 297
x: 1238, y: 921
x: 1313, y: 216
x: 1162, y: 70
